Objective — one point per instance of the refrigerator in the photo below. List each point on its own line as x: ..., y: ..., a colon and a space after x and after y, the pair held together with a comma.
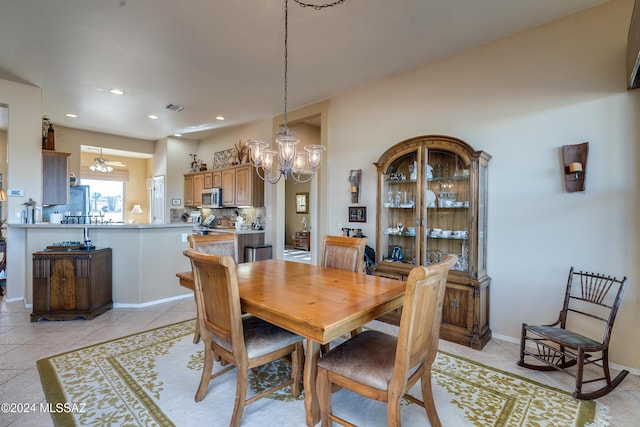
x: 79, y: 200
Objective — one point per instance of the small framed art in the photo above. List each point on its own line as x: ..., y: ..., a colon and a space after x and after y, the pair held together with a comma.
x: 302, y: 203
x: 357, y: 214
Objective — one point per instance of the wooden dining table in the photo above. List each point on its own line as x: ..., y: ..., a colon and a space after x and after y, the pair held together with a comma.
x: 318, y: 303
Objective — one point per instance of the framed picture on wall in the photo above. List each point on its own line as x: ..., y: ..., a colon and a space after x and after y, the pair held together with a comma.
x: 302, y: 203
x: 357, y: 214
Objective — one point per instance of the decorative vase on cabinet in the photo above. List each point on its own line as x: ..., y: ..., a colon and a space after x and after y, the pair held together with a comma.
x: 432, y: 200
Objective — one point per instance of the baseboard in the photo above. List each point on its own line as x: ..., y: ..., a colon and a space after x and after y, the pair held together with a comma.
x: 155, y: 302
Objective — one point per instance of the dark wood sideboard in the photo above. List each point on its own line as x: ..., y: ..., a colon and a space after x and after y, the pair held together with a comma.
x: 71, y: 283
x: 302, y: 240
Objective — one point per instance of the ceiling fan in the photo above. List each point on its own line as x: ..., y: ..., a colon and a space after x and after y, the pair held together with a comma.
x: 100, y: 164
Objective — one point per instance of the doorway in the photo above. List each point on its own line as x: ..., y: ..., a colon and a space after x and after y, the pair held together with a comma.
x: 300, y: 214
x: 310, y: 124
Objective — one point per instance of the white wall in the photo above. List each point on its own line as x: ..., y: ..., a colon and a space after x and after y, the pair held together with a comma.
x: 520, y: 99
x: 24, y: 158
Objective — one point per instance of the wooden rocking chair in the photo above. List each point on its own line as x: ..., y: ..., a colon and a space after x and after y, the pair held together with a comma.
x: 594, y: 300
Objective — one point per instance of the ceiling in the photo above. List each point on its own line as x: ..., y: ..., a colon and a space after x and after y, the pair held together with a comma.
x: 226, y: 58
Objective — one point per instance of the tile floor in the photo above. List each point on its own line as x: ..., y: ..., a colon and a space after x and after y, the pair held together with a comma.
x: 297, y: 255
x: 23, y: 342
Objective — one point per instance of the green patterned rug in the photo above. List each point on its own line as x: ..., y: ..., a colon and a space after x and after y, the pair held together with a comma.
x: 150, y: 379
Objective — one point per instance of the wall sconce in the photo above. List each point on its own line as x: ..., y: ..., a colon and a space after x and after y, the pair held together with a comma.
x: 575, y: 166
x: 354, y: 178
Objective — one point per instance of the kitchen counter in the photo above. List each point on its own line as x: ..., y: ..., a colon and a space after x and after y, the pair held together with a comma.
x: 102, y: 226
x: 234, y: 230
x: 145, y: 257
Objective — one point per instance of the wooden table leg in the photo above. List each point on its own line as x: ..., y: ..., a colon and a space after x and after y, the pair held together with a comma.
x: 311, y: 404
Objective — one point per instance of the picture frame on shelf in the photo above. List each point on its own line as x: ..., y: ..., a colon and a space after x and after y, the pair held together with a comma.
x: 302, y: 203
x: 357, y: 214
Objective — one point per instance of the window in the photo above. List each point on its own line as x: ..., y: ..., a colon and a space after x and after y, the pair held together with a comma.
x: 106, y: 198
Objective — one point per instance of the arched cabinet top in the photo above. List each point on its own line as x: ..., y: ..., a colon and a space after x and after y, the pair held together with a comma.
x: 431, y: 142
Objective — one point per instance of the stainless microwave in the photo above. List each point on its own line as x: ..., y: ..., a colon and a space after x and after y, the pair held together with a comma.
x: 212, y: 198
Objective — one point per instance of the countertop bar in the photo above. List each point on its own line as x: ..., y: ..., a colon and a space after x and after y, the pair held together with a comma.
x: 134, y: 227
x: 145, y: 256
x: 144, y: 260
x: 103, y: 226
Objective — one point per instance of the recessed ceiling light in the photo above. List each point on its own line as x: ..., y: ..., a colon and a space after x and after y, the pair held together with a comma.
x: 219, y: 118
x: 73, y: 116
x: 153, y: 116
x: 177, y: 134
x: 116, y: 91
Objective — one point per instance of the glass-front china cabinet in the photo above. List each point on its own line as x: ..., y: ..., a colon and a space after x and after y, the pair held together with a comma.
x: 432, y: 201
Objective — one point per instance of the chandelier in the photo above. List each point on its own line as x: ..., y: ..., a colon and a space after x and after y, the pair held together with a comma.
x: 287, y: 161
x: 100, y: 164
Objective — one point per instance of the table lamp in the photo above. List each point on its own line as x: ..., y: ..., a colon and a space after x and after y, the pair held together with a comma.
x: 136, y: 210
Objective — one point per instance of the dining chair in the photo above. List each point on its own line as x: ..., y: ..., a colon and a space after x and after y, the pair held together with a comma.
x: 245, y: 342
x: 384, y: 367
x: 343, y: 253
x: 580, y: 334
x: 214, y: 243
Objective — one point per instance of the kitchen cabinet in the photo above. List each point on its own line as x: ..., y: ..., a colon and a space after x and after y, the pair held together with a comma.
x: 241, y: 186
x: 193, y: 186
x: 188, y: 190
x: 249, y: 187
x: 70, y: 284
x: 216, y: 179
x: 55, y: 177
x: 432, y: 200
x: 208, y: 180
x: 198, y: 186
x: 228, y: 185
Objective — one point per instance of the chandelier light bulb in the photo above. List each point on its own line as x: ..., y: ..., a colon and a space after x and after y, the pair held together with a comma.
x: 315, y: 155
x: 299, y: 162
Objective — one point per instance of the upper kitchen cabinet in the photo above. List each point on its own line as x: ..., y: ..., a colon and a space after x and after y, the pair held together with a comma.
x: 249, y: 187
x: 193, y: 186
x: 432, y: 201
x: 228, y: 185
x: 241, y: 186
x: 55, y: 177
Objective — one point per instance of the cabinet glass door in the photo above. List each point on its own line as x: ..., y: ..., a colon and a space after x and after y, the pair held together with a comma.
x: 399, y: 215
x: 447, y: 200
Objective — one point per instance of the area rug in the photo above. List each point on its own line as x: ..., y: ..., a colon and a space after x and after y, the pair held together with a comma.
x: 150, y: 379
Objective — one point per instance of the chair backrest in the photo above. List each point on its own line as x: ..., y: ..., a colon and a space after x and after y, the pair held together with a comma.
x: 214, y: 243
x: 421, y: 318
x: 344, y: 253
x: 218, y: 298
x: 591, y: 303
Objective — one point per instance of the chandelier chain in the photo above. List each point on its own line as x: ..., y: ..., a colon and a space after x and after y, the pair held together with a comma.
x: 286, y: 60
x: 286, y: 47
x: 319, y: 6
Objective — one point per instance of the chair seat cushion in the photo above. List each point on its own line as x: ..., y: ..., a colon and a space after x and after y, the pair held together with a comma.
x: 563, y: 336
x: 261, y: 337
x: 367, y: 358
